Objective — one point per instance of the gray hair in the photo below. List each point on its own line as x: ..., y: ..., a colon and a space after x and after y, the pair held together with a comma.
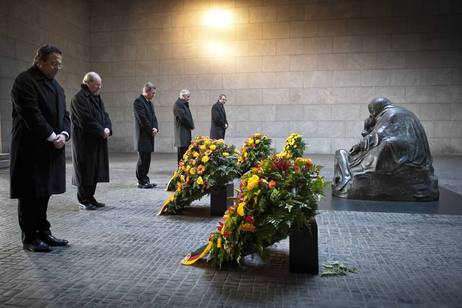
x: 148, y: 86
x: 184, y: 92
x: 90, y: 76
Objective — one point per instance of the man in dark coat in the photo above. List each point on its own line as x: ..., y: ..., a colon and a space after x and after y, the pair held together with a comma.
x: 183, y: 122
x: 219, y: 122
x: 146, y: 127
x: 40, y: 130
x: 91, y: 128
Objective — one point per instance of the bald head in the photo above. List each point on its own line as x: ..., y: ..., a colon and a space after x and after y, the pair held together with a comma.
x: 93, y: 82
x: 377, y: 105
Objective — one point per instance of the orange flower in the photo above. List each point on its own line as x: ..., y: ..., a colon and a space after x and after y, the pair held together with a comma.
x: 309, y: 163
x: 200, y: 169
x: 272, y: 184
x: 247, y: 227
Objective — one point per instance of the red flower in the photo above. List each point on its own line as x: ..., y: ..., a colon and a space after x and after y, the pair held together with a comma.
x: 220, y: 226
x: 226, y: 234
x: 281, y: 164
x: 297, y: 169
x: 249, y: 219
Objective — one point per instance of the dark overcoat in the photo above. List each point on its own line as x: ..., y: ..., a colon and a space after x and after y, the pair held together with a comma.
x: 183, y: 122
x: 37, y: 168
x: 89, y: 147
x: 145, y: 121
x: 219, y: 122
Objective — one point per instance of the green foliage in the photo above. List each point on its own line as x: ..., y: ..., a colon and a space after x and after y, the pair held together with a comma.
x: 336, y: 268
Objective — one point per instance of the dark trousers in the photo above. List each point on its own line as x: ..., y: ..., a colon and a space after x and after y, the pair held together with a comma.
x: 32, y: 215
x: 86, y: 192
x: 181, y: 151
x: 142, y: 167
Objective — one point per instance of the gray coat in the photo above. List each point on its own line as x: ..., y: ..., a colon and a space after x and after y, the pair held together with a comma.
x: 89, y: 148
x: 219, y: 122
x: 37, y: 168
x: 183, y: 122
x: 145, y: 121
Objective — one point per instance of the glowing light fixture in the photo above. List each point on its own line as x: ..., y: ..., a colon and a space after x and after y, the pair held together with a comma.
x: 217, y: 18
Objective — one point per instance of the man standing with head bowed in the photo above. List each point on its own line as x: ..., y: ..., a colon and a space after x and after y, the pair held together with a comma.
x: 219, y: 122
x: 40, y: 130
x: 91, y: 128
x: 146, y: 128
x: 183, y: 122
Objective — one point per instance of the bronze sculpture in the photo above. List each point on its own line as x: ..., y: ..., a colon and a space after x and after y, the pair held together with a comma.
x: 391, y: 162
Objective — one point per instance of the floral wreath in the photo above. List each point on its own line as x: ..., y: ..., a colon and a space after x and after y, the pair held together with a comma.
x: 278, y: 195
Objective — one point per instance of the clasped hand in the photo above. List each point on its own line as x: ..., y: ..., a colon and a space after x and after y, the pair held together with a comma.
x: 60, y: 141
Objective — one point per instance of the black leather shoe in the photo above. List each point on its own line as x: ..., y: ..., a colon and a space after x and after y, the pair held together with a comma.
x: 37, y: 246
x: 96, y: 203
x: 86, y: 205
x: 147, y: 185
x: 53, y: 241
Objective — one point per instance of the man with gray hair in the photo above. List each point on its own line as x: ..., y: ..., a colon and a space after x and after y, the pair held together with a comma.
x: 146, y: 128
x: 183, y: 122
x: 91, y: 127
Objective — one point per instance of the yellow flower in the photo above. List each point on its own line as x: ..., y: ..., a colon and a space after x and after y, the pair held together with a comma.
x: 225, y: 154
x: 213, y: 147
x: 205, y: 159
x: 182, y: 178
x: 202, y: 147
x: 257, y: 134
x: 188, y: 167
x: 220, y: 141
x: 240, y: 209
x: 219, y: 242
x: 257, y: 141
x: 253, y: 182
x: 199, y: 180
x: 195, y: 154
x: 192, y: 171
x: 250, y: 141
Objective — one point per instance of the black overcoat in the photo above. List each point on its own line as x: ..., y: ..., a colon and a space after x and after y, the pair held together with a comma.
x: 89, y: 147
x: 183, y: 122
x: 145, y: 121
x: 219, y: 122
x: 37, y: 168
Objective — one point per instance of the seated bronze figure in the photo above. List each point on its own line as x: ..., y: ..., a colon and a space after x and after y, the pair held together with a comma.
x: 391, y: 162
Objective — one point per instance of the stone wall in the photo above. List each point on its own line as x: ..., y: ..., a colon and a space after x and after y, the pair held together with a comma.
x: 286, y: 65
x: 25, y: 26
x: 291, y: 66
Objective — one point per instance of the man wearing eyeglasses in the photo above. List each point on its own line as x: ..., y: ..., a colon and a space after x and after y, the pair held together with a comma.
x: 40, y: 130
x: 219, y: 122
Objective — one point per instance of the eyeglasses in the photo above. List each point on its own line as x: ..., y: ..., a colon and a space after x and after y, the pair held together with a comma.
x: 57, y: 65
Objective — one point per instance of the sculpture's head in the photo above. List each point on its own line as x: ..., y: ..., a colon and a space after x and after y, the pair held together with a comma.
x: 377, y: 105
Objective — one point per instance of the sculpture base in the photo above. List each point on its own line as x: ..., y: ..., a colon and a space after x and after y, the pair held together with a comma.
x: 303, y: 248
x: 220, y: 200
x: 407, y: 184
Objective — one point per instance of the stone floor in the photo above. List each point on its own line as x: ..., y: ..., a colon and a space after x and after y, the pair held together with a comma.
x: 125, y: 255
